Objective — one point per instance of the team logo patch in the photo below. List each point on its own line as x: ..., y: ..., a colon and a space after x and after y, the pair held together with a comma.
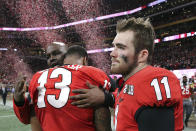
x: 129, y: 89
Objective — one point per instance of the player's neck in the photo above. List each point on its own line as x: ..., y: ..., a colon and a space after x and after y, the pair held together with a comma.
x: 135, y: 70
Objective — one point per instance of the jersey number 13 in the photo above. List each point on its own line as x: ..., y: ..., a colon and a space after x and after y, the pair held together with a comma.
x: 63, y: 86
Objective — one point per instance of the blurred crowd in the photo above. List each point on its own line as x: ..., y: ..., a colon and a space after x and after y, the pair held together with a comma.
x: 175, y: 55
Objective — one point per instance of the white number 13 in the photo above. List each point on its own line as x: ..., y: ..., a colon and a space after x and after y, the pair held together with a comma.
x: 156, y: 86
x: 63, y: 86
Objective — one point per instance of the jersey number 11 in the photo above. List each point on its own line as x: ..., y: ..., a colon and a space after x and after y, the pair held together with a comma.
x: 156, y: 86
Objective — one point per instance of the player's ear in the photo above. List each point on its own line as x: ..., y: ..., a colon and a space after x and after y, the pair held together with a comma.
x: 85, y: 61
x: 143, y: 56
x: 64, y: 61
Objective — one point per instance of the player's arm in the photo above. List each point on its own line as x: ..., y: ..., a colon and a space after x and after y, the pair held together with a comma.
x: 92, y: 97
x: 21, y: 104
x: 155, y: 119
x: 102, y: 119
x: 23, y: 109
x: 192, y: 93
x: 35, y: 125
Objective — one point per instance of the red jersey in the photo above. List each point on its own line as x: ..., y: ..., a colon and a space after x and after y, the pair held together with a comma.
x: 149, y: 87
x: 186, y: 90
x: 50, y: 89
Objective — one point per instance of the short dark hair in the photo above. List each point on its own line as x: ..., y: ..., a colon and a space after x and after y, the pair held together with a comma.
x: 144, y: 33
x: 77, y: 50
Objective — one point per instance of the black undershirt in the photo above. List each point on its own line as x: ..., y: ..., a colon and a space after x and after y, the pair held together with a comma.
x: 155, y: 118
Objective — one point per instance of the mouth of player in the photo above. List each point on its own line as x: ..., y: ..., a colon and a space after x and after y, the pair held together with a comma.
x: 114, y: 62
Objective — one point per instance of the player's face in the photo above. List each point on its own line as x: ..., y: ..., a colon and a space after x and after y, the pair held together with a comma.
x: 55, y: 55
x: 123, y: 56
x: 184, y: 79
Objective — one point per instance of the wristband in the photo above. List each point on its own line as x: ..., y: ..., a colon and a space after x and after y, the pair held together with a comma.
x: 19, y: 104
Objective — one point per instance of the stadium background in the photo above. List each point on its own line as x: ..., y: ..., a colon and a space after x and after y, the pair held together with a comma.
x: 27, y: 27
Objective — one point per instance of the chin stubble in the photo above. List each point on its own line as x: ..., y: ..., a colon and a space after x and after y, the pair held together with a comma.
x: 131, y: 66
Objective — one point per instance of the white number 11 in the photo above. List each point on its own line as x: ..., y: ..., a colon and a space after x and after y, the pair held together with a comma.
x: 156, y: 86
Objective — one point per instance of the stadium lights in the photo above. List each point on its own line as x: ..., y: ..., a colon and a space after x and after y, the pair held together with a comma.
x: 156, y: 2
x: 157, y: 41
x: 168, y: 38
x: 3, y: 49
x: 100, y: 50
x: 179, y: 36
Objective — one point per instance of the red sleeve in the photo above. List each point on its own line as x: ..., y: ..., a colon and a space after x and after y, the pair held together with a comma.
x: 22, y: 112
x: 99, y: 76
x: 102, y: 79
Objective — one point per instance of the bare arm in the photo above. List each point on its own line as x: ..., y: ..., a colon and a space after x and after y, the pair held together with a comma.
x: 35, y: 125
x: 102, y: 119
x: 92, y: 97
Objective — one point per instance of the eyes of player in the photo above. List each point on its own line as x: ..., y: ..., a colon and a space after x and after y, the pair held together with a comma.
x: 54, y: 53
x: 119, y: 46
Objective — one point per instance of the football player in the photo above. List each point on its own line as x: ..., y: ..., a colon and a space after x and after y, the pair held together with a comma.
x: 148, y: 98
x: 55, y: 56
x: 187, y: 92
x: 50, y: 89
